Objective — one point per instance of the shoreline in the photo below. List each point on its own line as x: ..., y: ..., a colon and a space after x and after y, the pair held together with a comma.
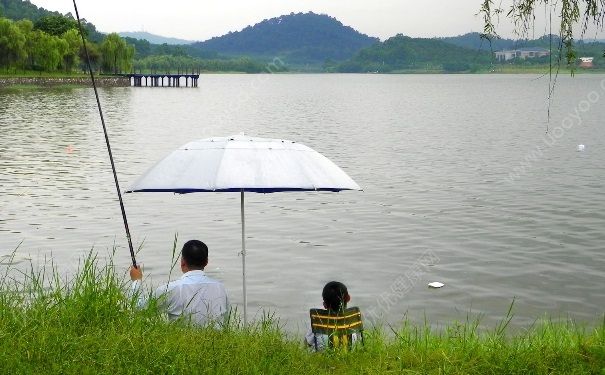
x: 69, y: 81
x: 16, y: 81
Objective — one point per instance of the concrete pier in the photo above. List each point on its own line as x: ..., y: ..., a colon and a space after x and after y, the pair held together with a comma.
x: 162, y: 80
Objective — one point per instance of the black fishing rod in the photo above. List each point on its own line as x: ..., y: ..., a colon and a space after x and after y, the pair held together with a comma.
x: 113, y: 166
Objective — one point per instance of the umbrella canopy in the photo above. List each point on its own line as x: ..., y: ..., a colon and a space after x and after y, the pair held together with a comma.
x: 244, y: 163
x: 240, y: 164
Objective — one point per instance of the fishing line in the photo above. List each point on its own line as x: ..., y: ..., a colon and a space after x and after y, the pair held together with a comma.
x: 113, y: 167
x: 550, y: 85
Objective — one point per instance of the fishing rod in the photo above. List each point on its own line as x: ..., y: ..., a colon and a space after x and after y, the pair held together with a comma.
x: 113, y: 166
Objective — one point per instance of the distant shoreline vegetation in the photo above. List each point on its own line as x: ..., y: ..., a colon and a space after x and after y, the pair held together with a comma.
x: 33, y: 39
x: 52, y: 79
x: 61, y: 81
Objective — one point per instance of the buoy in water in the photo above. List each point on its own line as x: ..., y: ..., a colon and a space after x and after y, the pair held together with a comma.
x: 581, y: 147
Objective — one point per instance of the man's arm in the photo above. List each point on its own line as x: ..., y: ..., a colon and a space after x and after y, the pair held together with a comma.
x: 136, y: 275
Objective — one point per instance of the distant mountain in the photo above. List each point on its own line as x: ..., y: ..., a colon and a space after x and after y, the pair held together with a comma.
x: 401, y: 53
x: 297, y: 39
x: 154, y: 39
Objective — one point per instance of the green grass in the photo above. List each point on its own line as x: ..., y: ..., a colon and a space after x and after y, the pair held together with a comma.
x: 31, y: 87
x: 18, y: 73
x: 541, y: 69
x: 88, y: 324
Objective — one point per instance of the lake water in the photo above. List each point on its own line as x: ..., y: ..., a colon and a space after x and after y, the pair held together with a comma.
x: 461, y: 182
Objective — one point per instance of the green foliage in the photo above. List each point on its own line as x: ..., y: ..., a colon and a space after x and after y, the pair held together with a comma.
x: 145, y: 49
x: 169, y: 63
x: 74, y: 44
x: 88, y: 324
x: 117, y: 54
x: 94, y: 55
x: 19, y: 9
x: 401, y: 53
x: 27, y: 46
x: 12, y: 43
x: 141, y: 46
x: 476, y: 41
x: 47, y: 51
x: 454, y: 67
x: 90, y: 31
x: 465, y: 53
x: 570, y: 13
x: 26, y: 26
x: 55, y: 25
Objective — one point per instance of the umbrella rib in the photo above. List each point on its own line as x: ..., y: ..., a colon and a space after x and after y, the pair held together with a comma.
x: 302, y: 169
x: 218, y: 169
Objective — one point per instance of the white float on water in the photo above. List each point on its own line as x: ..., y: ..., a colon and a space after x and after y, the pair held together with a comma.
x: 581, y: 147
x: 436, y: 284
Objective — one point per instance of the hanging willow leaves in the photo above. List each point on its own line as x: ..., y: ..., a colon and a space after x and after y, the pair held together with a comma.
x: 573, y: 16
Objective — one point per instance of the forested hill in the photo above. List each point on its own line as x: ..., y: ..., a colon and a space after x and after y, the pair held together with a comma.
x: 474, y: 41
x: 303, y: 38
x: 19, y: 9
x: 401, y: 53
x: 583, y: 47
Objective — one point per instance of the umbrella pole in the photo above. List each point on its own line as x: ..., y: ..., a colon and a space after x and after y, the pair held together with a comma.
x: 244, y: 259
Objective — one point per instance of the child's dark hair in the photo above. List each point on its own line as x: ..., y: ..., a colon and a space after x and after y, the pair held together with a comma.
x: 335, y: 296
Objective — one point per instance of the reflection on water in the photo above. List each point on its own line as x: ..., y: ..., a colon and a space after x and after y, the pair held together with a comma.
x: 434, y: 155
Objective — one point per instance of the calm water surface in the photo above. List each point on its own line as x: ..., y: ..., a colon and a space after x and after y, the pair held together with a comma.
x: 461, y: 185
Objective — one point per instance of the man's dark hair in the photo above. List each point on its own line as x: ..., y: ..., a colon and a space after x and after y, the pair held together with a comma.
x: 195, y: 254
x: 334, y: 295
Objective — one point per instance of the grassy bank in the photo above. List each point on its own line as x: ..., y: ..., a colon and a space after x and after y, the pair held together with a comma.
x: 18, y: 73
x: 87, y: 324
x: 30, y: 79
x: 540, y: 69
x: 62, y: 82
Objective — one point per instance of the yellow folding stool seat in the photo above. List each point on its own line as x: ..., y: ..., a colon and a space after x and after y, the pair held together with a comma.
x: 338, y: 326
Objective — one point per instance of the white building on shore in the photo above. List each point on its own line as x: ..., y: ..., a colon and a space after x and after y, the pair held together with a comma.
x: 586, y: 62
x: 521, y: 53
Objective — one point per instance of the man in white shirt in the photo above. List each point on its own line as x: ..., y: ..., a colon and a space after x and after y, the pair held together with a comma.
x: 194, y: 296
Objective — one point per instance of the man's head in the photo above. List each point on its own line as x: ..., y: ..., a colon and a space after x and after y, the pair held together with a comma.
x: 194, y: 256
x: 336, y: 296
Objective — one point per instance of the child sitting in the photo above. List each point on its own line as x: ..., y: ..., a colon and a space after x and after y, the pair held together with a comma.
x: 335, y: 296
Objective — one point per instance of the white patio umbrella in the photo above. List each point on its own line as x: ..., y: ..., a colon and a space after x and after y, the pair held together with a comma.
x: 243, y: 164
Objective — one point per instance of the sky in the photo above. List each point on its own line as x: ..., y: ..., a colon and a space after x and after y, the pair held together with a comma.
x: 201, y: 20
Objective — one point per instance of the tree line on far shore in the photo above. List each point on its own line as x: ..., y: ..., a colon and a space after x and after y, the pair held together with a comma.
x: 53, y: 43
